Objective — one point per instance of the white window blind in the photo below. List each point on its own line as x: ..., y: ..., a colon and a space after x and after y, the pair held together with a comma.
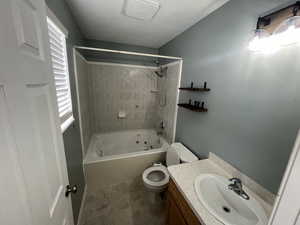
x: 60, y: 72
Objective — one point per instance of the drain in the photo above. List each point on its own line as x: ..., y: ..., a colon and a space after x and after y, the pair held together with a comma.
x: 226, y: 209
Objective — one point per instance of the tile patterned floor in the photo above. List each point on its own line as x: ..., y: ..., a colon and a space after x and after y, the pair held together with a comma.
x: 126, y: 203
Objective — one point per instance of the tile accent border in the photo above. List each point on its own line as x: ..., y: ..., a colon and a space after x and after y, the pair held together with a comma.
x: 263, y: 193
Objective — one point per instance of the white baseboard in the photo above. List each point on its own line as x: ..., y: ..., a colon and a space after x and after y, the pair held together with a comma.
x: 79, y: 222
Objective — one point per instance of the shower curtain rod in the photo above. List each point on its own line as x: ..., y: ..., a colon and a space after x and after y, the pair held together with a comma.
x: 127, y: 52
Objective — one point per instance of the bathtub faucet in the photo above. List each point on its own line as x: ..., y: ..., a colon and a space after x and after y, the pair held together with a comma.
x: 161, y: 128
x: 162, y: 125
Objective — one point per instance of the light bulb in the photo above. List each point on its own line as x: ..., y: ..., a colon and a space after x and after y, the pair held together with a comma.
x: 288, y: 32
x: 293, y: 21
x: 262, y: 42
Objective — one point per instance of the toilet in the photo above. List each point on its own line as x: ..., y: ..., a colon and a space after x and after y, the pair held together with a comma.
x: 156, y: 177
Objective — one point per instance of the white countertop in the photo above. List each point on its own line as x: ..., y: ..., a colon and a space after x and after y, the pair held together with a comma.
x: 184, y: 176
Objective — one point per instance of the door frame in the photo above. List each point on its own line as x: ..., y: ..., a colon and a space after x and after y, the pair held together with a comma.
x: 284, y: 186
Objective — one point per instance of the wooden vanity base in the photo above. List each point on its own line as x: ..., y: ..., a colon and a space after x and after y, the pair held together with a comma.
x: 178, y: 210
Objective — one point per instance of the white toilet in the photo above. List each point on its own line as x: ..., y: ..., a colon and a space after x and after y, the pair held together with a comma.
x: 156, y: 177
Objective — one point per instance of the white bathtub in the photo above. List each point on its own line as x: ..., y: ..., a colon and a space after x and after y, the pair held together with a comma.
x: 123, y: 144
x: 120, y: 156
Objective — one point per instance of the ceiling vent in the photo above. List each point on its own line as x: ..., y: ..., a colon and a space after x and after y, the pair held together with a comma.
x: 141, y: 9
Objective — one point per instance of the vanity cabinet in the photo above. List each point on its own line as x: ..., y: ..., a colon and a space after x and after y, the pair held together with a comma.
x: 178, y: 210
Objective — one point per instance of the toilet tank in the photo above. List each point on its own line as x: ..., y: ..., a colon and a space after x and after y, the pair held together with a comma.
x: 178, y: 153
x: 185, y: 155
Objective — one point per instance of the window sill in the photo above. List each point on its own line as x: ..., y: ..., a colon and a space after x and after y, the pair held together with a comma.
x: 64, y: 126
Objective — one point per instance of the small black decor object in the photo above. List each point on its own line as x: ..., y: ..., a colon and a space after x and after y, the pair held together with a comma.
x: 202, y: 105
x: 190, y: 102
x: 195, y: 103
x: 195, y: 89
x: 193, y: 107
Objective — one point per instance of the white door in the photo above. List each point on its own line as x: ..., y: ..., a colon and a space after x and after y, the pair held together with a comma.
x: 33, y: 173
x: 287, y: 207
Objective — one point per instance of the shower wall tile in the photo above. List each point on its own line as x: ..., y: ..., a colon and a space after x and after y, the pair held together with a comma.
x: 168, y: 89
x: 117, y: 88
x: 84, y: 99
x: 104, y: 90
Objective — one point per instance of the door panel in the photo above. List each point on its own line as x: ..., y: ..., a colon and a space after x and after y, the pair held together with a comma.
x: 27, y: 26
x: 40, y: 106
x: 11, y: 177
x: 32, y: 150
x: 287, y: 205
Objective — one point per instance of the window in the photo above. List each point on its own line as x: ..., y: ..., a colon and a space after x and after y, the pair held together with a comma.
x: 59, y: 59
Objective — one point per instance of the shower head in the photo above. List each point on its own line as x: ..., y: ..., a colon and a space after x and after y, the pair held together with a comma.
x: 162, y: 72
x: 159, y: 74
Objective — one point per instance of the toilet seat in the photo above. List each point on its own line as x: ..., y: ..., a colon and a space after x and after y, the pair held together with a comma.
x: 156, y: 184
x: 158, y: 181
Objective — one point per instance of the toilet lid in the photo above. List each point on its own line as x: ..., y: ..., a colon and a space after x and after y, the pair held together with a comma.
x: 172, y: 157
x: 152, y: 169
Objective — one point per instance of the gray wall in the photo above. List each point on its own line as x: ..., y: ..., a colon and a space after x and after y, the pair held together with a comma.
x: 119, y: 58
x: 254, y: 104
x: 71, y: 135
x: 118, y: 46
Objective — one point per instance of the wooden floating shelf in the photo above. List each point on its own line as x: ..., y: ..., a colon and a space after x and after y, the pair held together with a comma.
x: 194, y: 89
x: 192, y: 108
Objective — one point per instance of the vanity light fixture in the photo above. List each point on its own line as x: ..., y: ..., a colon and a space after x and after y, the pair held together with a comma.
x: 286, y: 33
x: 259, y: 41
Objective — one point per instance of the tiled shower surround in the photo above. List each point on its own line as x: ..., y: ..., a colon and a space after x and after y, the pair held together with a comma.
x: 82, y: 68
x: 122, y: 89
x: 167, y: 101
x: 107, y: 90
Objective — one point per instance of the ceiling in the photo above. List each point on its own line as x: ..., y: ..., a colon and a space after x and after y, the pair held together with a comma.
x: 106, y: 19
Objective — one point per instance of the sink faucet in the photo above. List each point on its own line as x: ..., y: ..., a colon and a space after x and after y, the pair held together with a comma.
x: 237, y: 187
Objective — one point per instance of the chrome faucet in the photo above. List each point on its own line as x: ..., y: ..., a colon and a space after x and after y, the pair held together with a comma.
x: 237, y: 187
x: 161, y: 128
x: 162, y: 125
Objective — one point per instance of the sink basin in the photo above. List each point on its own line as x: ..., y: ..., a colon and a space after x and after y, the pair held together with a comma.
x: 225, y: 205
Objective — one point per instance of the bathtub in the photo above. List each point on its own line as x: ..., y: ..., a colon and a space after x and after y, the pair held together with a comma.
x: 122, y: 155
x: 115, y: 145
